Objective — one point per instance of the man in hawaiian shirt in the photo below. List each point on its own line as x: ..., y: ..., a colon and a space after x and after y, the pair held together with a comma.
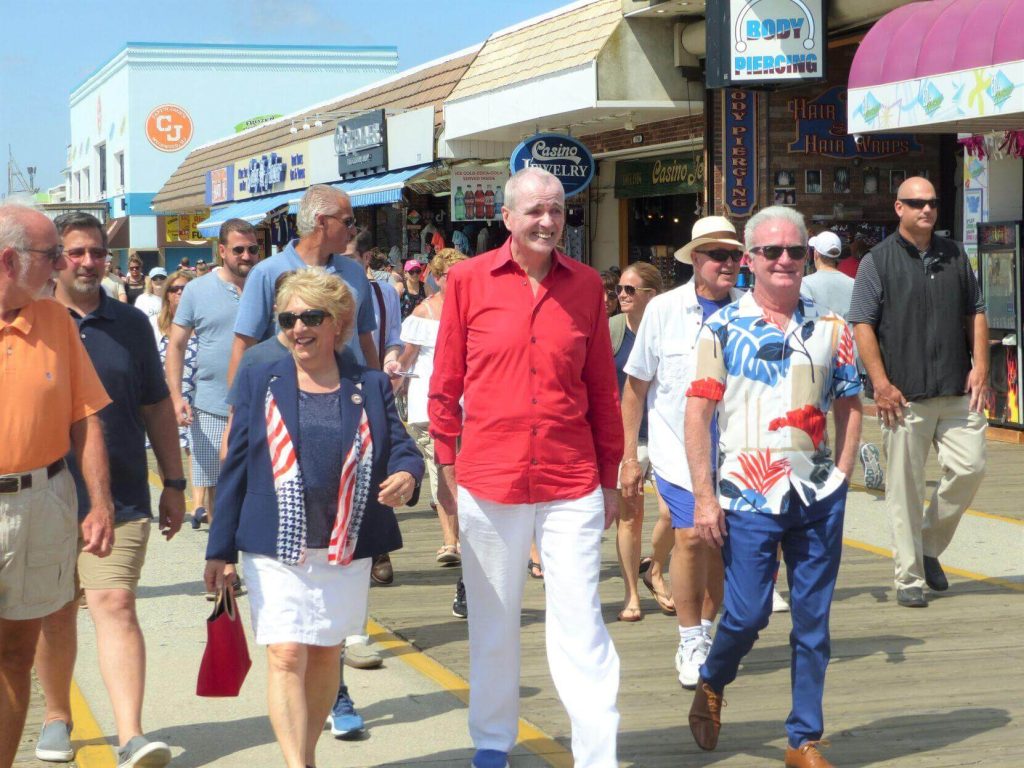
x: 771, y: 365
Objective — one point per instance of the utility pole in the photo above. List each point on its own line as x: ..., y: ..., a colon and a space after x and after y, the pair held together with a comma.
x: 17, y: 181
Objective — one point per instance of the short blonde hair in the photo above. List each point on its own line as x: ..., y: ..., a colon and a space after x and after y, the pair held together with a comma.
x: 444, y: 259
x: 320, y: 290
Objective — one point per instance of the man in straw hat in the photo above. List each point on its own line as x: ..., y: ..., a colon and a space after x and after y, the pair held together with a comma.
x: 658, y: 372
x: 770, y: 366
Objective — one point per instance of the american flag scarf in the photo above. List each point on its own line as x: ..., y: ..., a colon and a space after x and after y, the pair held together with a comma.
x: 353, y: 491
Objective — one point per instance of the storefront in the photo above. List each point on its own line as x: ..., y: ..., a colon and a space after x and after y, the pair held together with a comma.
x: 606, y: 78
x: 916, y: 69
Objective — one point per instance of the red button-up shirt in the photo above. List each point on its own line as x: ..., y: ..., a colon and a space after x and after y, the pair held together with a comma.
x: 540, y: 417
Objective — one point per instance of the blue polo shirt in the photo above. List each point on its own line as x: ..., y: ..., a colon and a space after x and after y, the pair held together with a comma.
x: 120, y: 343
x: 255, y: 312
x: 209, y: 306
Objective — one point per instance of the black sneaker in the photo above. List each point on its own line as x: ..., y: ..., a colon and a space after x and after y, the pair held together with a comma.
x: 199, y: 517
x: 460, y: 608
x: 934, y: 576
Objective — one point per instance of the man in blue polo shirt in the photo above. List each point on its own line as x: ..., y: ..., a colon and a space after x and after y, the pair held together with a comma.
x: 326, y: 224
x: 120, y: 343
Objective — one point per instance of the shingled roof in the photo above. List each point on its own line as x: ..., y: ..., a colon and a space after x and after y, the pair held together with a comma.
x: 424, y: 86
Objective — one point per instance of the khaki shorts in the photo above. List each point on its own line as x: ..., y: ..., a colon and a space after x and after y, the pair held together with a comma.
x: 122, y: 568
x: 38, y: 536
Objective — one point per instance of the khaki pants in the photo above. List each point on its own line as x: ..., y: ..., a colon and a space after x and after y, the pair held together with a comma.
x: 959, y: 439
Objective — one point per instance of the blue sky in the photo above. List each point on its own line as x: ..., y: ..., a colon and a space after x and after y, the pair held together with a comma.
x: 53, y: 45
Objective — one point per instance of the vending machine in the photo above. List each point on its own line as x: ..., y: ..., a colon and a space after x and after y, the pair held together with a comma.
x: 1000, y: 274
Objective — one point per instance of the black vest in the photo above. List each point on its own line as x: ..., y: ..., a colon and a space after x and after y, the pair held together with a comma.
x: 922, y: 324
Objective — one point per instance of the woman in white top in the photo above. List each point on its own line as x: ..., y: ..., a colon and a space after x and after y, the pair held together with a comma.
x: 152, y: 300
x: 419, y: 332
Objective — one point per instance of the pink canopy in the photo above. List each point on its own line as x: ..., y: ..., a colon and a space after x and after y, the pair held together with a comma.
x: 938, y: 36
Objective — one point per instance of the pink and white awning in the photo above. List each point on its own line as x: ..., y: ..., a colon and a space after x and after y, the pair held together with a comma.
x: 941, y: 66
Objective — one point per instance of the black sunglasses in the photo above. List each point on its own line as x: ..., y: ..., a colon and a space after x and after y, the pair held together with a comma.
x: 310, y: 318
x: 629, y: 290
x: 253, y: 250
x: 773, y: 252
x: 722, y: 255
x: 176, y: 289
x: 918, y: 203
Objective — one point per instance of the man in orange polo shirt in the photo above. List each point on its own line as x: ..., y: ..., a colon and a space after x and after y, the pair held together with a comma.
x: 51, y: 397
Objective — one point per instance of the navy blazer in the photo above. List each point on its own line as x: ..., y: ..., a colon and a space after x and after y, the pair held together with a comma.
x: 246, y: 517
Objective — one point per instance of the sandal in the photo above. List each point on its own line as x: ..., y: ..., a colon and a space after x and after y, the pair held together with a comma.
x: 534, y: 569
x: 448, y: 554
x: 630, y: 614
x: 664, y: 601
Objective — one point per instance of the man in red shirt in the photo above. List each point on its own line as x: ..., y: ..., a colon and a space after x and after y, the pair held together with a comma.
x: 524, y: 345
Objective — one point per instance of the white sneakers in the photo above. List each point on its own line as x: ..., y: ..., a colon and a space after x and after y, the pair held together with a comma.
x: 779, y: 604
x: 690, y: 655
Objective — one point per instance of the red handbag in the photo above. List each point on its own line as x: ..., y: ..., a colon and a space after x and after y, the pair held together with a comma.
x: 226, y: 658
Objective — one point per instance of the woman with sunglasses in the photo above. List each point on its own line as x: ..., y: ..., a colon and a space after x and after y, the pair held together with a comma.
x: 161, y: 323
x: 151, y: 301
x: 135, y: 282
x: 412, y: 291
x: 317, y: 459
x: 659, y: 374
x: 611, y: 299
x: 637, y: 285
x: 419, y: 332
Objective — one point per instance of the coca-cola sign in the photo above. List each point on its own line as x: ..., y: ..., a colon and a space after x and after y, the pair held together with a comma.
x: 564, y: 156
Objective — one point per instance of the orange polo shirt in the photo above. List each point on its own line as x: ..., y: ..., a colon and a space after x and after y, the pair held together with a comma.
x: 47, y: 383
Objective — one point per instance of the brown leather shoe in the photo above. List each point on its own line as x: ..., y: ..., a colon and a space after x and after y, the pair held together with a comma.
x: 382, y: 572
x: 706, y: 716
x: 807, y: 756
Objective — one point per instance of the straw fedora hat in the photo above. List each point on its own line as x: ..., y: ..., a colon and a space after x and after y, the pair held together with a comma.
x: 710, y: 229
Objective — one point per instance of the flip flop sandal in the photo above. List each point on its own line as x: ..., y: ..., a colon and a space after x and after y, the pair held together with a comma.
x: 664, y: 601
x: 448, y: 554
x: 630, y: 614
x: 534, y: 569
x: 645, y: 565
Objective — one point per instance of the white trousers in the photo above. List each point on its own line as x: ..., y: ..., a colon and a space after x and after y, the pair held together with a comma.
x: 582, y: 659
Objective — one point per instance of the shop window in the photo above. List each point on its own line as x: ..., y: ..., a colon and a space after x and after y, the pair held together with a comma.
x: 101, y: 153
x: 658, y: 226
x: 119, y: 169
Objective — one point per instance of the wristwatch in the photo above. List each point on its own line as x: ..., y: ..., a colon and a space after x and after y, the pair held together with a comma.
x: 177, y: 483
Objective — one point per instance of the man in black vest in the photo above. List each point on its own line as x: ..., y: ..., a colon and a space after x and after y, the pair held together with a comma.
x: 919, y: 322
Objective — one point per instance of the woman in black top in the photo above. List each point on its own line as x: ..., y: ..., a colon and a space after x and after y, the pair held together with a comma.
x: 135, y: 283
x: 413, y: 291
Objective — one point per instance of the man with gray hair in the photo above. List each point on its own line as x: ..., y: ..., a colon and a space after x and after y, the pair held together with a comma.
x: 539, y: 459
x: 771, y: 365
x: 50, y: 405
x: 325, y: 224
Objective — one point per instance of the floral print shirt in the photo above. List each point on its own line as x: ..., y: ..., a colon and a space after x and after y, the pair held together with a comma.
x: 773, y: 388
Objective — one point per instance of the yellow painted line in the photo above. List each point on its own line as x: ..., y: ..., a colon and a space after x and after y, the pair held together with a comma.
x: 530, y: 736
x: 93, y: 749
x: 996, y: 581
x: 974, y: 512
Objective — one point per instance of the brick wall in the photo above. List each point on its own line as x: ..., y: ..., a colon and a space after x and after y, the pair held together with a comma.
x: 778, y: 130
x: 661, y: 132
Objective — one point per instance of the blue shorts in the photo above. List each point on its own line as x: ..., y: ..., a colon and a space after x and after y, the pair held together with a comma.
x: 679, y: 500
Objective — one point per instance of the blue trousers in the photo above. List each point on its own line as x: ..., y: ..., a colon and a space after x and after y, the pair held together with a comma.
x: 811, y: 538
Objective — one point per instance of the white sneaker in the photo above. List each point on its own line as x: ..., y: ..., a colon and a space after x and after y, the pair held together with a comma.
x: 689, y: 656
x: 779, y: 604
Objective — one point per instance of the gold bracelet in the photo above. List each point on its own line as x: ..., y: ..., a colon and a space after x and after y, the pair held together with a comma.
x: 626, y: 461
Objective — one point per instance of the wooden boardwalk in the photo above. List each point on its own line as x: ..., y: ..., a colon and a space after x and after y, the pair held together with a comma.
x: 908, y: 688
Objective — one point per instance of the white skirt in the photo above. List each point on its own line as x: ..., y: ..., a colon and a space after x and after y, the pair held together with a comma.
x: 314, y: 603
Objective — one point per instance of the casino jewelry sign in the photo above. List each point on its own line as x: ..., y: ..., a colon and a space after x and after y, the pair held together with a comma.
x: 766, y: 42
x: 564, y: 156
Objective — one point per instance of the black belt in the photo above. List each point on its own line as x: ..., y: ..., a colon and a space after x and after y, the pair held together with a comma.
x: 15, y: 483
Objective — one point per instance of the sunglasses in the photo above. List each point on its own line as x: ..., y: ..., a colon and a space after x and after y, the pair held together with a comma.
x: 53, y: 254
x: 918, y: 203
x: 176, y: 289
x: 629, y: 290
x: 253, y: 250
x: 310, y: 318
x: 348, y: 221
x: 413, y: 271
x: 722, y: 255
x: 773, y: 252
x: 158, y: 279
x: 96, y: 254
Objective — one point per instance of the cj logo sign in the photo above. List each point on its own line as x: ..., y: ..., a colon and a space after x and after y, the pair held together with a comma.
x: 169, y: 128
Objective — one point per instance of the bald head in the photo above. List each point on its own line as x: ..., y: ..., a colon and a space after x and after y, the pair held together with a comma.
x: 916, y: 187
